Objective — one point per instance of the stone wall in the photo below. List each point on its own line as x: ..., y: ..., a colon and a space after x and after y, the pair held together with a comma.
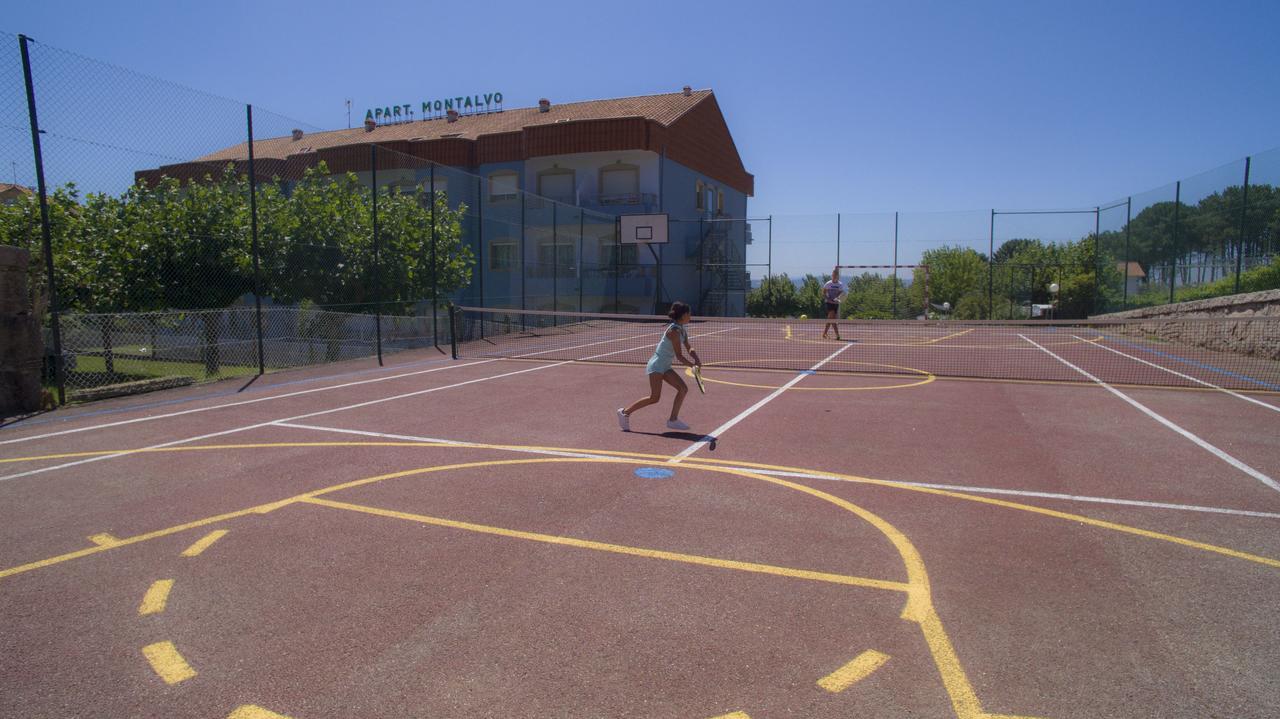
x: 21, y: 345
x: 1251, y: 323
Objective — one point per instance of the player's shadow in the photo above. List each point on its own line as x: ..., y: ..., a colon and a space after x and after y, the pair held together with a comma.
x: 683, y: 437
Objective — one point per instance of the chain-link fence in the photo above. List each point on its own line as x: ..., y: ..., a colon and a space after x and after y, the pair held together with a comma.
x: 190, y: 237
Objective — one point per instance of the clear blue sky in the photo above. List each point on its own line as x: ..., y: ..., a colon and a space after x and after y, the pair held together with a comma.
x: 851, y: 107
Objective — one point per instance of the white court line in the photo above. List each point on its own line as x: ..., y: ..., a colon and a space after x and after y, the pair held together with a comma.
x: 1159, y: 418
x: 715, y: 434
x: 343, y: 408
x: 239, y: 403
x: 806, y: 475
x: 1246, y: 398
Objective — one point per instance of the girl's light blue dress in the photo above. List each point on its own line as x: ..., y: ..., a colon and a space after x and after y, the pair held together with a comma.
x: 663, y: 354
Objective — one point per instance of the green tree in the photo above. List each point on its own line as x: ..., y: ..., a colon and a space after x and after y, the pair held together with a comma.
x: 871, y: 297
x: 775, y: 297
x: 955, y: 274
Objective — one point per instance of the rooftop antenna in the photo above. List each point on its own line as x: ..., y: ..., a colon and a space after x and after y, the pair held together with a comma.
x: 348, y: 114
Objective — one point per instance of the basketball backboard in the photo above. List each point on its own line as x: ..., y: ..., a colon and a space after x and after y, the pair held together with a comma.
x: 643, y: 229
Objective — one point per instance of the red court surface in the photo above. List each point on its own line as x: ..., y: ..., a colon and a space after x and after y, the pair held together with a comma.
x: 477, y: 538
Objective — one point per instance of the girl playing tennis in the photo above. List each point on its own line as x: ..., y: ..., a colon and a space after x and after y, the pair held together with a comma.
x: 659, y: 369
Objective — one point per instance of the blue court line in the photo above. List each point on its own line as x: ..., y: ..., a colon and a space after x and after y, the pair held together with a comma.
x: 213, y: 395
x: 1193, y: 363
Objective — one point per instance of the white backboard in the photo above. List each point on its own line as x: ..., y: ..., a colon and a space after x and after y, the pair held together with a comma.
x: 643, y: 229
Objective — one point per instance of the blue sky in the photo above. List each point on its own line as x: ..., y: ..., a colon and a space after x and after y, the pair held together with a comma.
x: 852, y: 107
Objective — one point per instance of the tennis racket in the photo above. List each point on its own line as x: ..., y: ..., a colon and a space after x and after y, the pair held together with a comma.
x: 697, y: 377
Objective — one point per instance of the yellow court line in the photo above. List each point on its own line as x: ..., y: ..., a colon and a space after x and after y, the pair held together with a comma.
x: 104, y: 540
x: 953, y: 334
x: 855, y: 671
x: 250, y: 711
x: 619, y: 548
x: 733, y: 715
x: 204, y: 542
x: 271, y: 506
x: 167, y: 662
x: 157, y: 596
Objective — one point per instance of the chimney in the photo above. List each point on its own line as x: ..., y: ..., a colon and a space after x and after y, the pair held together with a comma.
x: 297, y: 134
x: 688, y: 91
x: 369, y: 124
x: 544, y: 105
x: 452, y: 115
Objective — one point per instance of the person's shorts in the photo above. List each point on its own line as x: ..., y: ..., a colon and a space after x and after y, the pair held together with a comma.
x: 831, y: 307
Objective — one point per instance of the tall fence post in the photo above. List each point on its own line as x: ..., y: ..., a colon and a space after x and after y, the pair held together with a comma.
x: 837, y: 239
x: 617, y: 259
x: 435, y: 266
x: 1128, y: 220
x: 253, y: 233
x: 45, y: 234
x: 768, y: 272
x: 524, y: 253
x: 1244, y: 209
x: 991, y: 252
x: 555, y: 263
x: 480, y: 268
x: 1097, y: 258
x: 377, y: 268
x: 895, y: 265
x: 582, y: 224
x: 1173, y: 253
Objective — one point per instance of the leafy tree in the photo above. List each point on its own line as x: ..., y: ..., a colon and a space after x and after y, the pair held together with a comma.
x: 872, y: 297
x: 775, y: 297
x: 809, y: 296
x: 954, y: 273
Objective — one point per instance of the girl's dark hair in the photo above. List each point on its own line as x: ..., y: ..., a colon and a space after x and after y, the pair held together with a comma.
x: 678, y: 309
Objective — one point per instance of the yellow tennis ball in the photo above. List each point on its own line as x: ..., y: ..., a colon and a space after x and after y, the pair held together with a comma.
x: 804, y: 317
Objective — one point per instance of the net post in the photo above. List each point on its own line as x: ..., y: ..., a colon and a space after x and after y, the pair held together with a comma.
x: 45, y: 234
x: 1244, y: 209
x: 480, y: 243
x: 582, y: 225
x: 453, y: 329
x: 555, y: 262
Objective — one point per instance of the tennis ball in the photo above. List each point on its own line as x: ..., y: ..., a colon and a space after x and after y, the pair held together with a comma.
x: 804, y: 317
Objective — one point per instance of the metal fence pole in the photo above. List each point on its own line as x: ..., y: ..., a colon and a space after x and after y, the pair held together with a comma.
x: 377, y: 278
x: 895, y: 265
x: 769, y: 257
x: 45, y: 234
x: 523, y: 255
x: 582, y: 221
x: 1128, y: 220
x: 991, y: 251
x: 480, y: 268
x: 555, y: 264
x: 1173, y: 249
x: 1097, y: 258
x: 253, y: 233
x: 1244, y: 209
x: 435, y: 266
x: 837, y: 238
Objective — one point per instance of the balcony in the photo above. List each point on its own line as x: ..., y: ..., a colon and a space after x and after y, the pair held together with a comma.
x: 623, y: 204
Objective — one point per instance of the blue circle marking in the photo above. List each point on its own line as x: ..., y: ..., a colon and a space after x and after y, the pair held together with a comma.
x: 654, y: 473
x: 807, y: 371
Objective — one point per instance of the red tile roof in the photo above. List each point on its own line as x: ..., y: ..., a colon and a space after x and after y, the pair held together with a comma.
x: 664, y: 109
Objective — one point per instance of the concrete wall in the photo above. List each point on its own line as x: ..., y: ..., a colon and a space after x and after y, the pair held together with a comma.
x: 1259, y: 338
x: 21, y: 345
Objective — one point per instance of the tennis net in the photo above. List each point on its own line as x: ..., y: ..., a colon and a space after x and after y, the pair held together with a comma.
x: 1230, y: 353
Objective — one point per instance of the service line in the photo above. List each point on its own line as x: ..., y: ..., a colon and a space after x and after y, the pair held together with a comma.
x: 1211, y: 449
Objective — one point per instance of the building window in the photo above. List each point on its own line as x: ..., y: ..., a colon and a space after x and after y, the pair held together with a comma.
x: 720, y: 201
x: 559, y: 258
x: 614, y: 254
x: 503, y: 185
x: 503, y: 256
x: 619, y: 184
x: 558, y: 184
x: 698, y: 201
